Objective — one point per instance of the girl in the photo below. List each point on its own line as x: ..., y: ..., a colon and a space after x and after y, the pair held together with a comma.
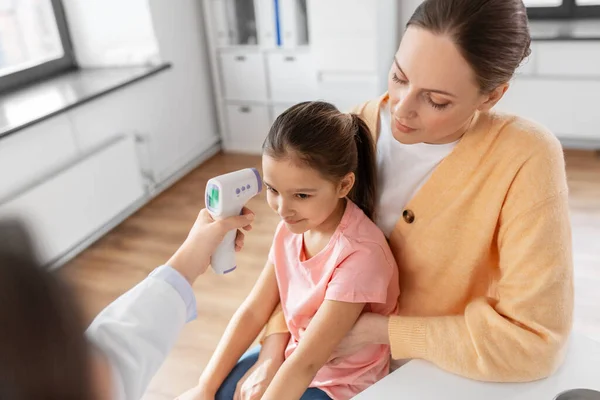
x: 328, y: 263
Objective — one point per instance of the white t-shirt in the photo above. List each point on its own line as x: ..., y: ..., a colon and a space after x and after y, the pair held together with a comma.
x: 402, y: 170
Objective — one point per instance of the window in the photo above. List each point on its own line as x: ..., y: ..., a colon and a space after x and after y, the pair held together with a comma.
x: 563, y: 9
x: 34, y: 41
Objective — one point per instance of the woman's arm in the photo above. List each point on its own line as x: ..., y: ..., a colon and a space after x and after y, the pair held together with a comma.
x: 276, y: 323
x: 241, y: 331
x: 328, y: 327
x: 520, y: 336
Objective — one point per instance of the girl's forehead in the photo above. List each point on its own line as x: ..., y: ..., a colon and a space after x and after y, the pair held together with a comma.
x: 289, y: 173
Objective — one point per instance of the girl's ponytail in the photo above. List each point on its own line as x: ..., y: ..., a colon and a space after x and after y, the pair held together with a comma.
x: 364, y: 192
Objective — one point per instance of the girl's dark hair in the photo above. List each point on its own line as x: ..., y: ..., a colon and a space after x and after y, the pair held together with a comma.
x: 493, y: 35
x: 43, y: 351
x: 331, y: 142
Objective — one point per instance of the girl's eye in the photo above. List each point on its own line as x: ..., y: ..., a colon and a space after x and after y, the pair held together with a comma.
x: 398, y: 80
x: 302, y: 196
x: 270, y: 189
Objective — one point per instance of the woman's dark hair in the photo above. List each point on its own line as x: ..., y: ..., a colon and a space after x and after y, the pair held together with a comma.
x: 333, y: 143
x: 43, y: 351
x: 493, y: 35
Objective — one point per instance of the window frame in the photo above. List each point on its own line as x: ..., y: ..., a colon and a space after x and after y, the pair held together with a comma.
x: 48, y: 69
x: 568, y: 10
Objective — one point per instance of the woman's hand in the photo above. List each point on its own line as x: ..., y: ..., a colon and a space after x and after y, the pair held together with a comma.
x: 258, y: 378
x: 196, y: 393
x: 255, y: 382
x: 369, y: 329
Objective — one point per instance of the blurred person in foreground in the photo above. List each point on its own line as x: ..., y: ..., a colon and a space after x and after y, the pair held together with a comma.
x: 47, y: 353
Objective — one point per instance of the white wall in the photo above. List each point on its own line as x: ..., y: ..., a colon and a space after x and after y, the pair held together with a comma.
x: 91, y: 171
x: 407, y: 9
x: 111, y: 32
x: 108, y: 33
x: 189, y: 122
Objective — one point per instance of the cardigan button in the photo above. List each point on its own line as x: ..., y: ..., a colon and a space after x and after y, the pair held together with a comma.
x: 409, y: 216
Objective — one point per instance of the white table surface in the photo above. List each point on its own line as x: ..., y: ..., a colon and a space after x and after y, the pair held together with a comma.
x: 423, y: 381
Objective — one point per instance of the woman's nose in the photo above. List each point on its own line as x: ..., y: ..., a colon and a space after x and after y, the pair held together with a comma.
x: 405, y: 108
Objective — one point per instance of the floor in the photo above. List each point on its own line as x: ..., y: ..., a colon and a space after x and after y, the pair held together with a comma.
x: 127, y: 254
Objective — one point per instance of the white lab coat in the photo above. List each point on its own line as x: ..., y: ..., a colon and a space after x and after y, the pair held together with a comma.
x: 136, y: 333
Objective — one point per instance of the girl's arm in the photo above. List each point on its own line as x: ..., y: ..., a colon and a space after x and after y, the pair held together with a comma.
x: 242, y: 330
x: 328, y: 327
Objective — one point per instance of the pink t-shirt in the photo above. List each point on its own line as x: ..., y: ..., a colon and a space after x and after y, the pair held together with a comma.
x: 356, y: 266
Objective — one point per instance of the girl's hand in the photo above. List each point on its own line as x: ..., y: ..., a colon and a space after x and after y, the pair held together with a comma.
x: 255, y: 382
x: 196, y: 393
x: 369, y: 329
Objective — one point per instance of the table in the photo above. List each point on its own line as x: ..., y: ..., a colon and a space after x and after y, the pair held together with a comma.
x: 423, y: 381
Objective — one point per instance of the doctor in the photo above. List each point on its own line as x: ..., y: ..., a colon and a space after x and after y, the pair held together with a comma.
x: 43, y: 352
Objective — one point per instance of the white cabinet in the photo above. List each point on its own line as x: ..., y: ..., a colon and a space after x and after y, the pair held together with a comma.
x: 587, y: 115
x: 27, y: 155
x: 71, y: 205
x: 243, y: 76
x: 292, y: 77
x: 547, y: 102
x: 569, y: 59
x: 293, y: 23
x: 568, y: 108
x: 248, y: 126
x: 218, y: 11
x: 558, y: 87
x: 339, y: 51
x: 268, y: 36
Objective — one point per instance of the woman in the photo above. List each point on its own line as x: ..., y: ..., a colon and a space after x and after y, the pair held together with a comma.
x: 474, y: 204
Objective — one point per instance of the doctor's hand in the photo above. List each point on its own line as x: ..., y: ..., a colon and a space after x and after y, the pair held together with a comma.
x: 193, y: 256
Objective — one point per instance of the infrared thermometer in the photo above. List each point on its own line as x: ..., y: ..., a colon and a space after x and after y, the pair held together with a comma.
x: 226, y: 196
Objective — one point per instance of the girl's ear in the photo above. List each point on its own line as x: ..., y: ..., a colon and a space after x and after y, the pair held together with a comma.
x: 346, y: 185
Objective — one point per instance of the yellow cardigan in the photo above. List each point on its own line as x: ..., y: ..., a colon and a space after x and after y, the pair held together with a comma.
x: 484, y: 254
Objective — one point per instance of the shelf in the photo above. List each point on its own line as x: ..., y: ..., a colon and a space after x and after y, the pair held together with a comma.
x: 259, y: 49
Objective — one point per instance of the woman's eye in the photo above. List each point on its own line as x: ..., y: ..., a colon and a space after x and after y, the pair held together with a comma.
x: 437, y: 106
x: 302, y: 196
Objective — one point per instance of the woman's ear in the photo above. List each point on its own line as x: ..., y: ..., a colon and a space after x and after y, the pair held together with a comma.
x: 346, y: 185
x: 493, y: 97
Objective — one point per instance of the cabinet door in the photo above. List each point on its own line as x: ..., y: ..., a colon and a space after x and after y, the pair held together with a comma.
x: 551, y: 103
x: 568, y: 59
x: 587, y: 115
x: 243, y: 76
x: 218, y: 20
x: 26, y: 155
x: 292, y: 77
x: 247, y: 128
x: 67, y: 208
x: 266, y: 20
